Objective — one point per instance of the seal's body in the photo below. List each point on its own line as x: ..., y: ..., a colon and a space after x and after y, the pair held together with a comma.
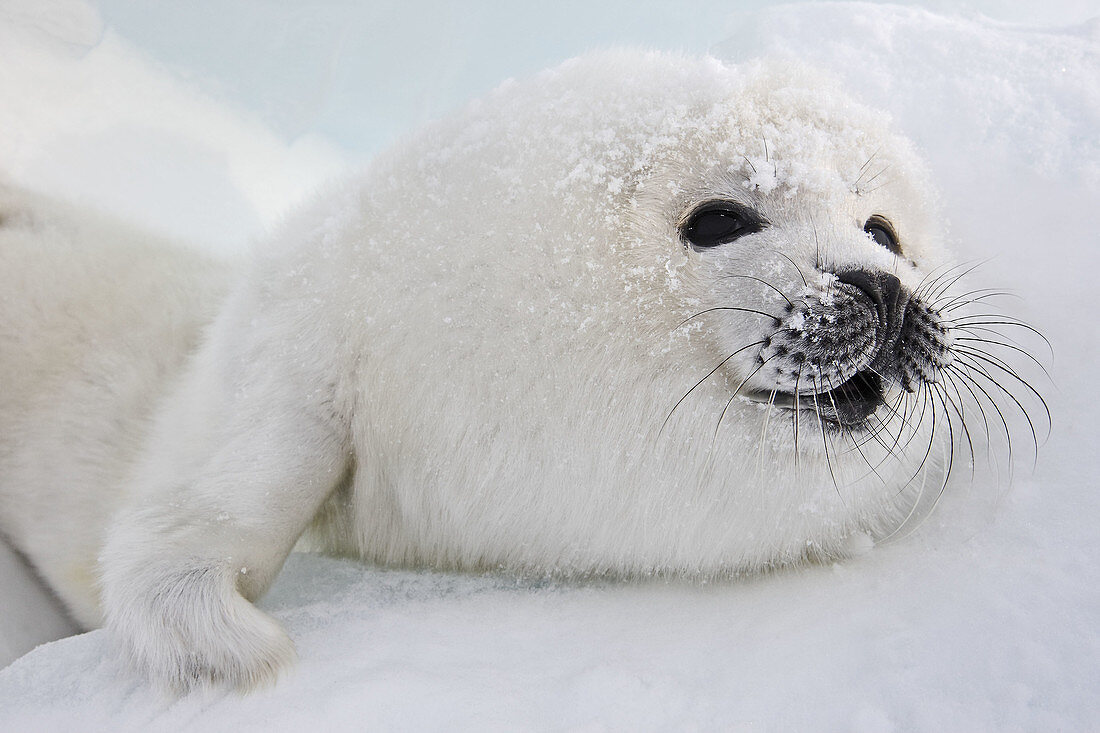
x: 640, y: 314
x: 97, y: 319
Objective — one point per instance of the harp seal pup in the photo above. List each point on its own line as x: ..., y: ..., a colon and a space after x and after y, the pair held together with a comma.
x: 640, y: 314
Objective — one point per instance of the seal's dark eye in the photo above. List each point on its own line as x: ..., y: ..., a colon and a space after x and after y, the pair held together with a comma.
x: 882, y: 231
x: 718, y: 223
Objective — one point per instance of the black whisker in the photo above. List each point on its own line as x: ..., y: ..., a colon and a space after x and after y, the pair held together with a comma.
x: 950, y: 375
x: 825, y: 442
x: 796, y: 267
x: 764, y: 282
x: 734, y: 395
x: 919, y: 471
x: 978, y: 369
x: 1002, y: 344
x: 964, y: 299
x: 712, y: 371
x: 947, y: 470
x: 1003, y: 321
x: 728, y: 308
x: 962, y: 374
x: 958, y: 407
x: 764, y: 432
x: 930, y: 280
x: 936, y: 289
x: 985, y: 356
x: 797, y: 412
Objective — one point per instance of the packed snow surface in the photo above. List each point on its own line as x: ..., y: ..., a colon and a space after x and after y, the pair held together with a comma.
x: 985, y: 618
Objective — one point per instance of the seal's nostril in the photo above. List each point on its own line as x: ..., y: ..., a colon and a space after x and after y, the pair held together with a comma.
x: 889, y: 296
x: 883, y: 288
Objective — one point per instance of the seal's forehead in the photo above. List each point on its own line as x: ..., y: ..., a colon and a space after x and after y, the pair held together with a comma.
x: 781, y: 133
x: 598, y: 128
x: 784, y: 123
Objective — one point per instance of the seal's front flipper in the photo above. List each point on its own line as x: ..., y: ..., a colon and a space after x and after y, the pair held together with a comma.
x: 241, y: 458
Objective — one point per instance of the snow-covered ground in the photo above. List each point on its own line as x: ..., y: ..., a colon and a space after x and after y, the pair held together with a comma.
x: 984, y: 619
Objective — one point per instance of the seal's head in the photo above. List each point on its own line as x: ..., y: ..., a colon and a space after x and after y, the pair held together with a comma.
x: 809, y: 256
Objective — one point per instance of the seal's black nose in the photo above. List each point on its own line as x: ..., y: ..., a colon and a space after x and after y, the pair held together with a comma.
x: 888, y: 295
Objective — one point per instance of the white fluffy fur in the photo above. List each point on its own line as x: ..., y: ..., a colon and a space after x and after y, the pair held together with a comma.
x: 462, y: 358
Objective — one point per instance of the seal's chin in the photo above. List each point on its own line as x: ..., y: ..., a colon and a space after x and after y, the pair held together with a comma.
x: 847, y: 406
